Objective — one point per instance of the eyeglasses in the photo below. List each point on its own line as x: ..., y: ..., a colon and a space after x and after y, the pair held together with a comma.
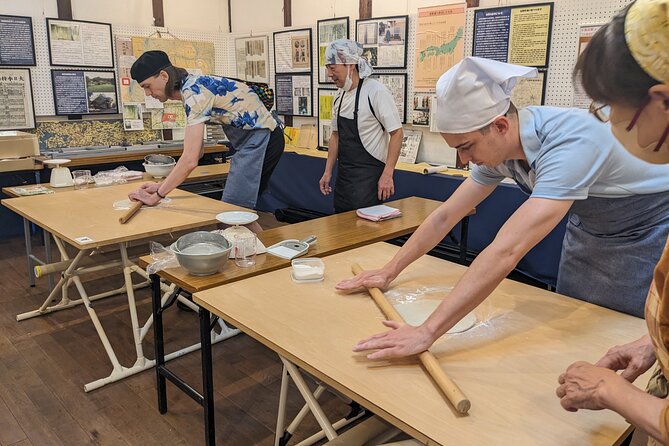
x: 601, y: 111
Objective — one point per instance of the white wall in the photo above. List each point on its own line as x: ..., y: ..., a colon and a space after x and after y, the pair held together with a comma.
x: 256, y: 15
x: 31, y: 8
x: 127, y: 12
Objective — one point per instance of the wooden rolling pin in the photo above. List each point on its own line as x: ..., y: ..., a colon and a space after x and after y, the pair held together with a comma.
x: 130, y: 212
x: 427, y: 359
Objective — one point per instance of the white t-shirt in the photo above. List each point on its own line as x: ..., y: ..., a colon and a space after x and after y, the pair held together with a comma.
x: 373, y: 138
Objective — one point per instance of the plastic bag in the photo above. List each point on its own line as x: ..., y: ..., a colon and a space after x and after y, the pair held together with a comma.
x: 163, y: 258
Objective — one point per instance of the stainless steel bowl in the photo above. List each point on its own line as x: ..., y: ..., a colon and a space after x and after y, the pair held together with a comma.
x: 157, y: 158
x: 202, y: 253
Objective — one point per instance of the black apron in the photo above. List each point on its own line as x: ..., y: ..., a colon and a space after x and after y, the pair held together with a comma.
x: 358, y: 172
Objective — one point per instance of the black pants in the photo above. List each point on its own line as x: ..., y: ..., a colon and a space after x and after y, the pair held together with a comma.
x: 275, y: 148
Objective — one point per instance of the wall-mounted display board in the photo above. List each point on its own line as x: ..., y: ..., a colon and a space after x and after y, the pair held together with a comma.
x: 440, y: 43
x: 519, y: 35
x: 78, y: 43
x: 529, y: 91
x: 325, y: 100
x: 252, y: 58
x: 328, y: 31
x: 410, y: 146
x: 17, y: 111
x: 422, y: 104
x: 585, y: 33
x: 397, y: 84
x: 292, y: 51
x: 384, y: 40
x: 17, y: 46
x: 294, y: 95
x: 78, y: 92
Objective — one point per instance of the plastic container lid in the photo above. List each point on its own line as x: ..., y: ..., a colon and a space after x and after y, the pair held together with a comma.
x: 308, y: 269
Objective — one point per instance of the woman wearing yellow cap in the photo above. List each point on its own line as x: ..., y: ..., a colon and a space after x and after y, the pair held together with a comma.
x: 625, y: 68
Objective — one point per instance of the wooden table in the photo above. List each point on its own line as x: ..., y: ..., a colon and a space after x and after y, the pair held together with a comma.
x: 507, y: 366
x: 213, y: 172
x: 336, y: 233
x: 86, y: 220
x: 134, y: 155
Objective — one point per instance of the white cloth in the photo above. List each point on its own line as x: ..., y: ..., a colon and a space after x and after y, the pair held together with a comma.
x: 373, y: 138
x: 474, y: 92
x: 347, y: 52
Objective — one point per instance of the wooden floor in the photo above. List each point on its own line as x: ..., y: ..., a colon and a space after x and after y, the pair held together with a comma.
x: 45, y: 362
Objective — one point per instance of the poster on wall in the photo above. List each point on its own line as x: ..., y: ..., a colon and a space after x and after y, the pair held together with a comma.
x: 440, y: 43
x: 410, y: 146
x: 422, y: 103
x: 171, y: 116
x: 585, y: 33
x: 329, y: 31
x: 252, y: 58
x: 519, y: 35
x: 529, y: 91
x: 17, y: 111
x: 325, y: 100
x: 132, y: 117
x: 384, y: 40
x: 397, y: 84
x: 84, y: 92
x: 292, y: 51
x: 293, y: 95
x: 17, y: 46
x: 80, y: 44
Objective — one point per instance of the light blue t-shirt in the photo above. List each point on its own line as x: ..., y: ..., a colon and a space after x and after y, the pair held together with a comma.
x: 572, y: 156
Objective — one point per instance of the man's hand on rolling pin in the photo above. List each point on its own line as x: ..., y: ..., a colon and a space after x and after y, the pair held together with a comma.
x: 402, y: 340
x: 150, y: 199
x: 151, y: 188
x: 373, y: 278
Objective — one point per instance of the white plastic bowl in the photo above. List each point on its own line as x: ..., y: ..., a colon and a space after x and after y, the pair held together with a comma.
x: 158, y: 170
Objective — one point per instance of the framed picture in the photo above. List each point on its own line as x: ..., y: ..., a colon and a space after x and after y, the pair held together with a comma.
x: 294, y: 94
x: 384, y: 40
x: 17, y: 45
x: 79, y: 92
x: 17, y: 109
x: 252, y: 57
x: 292, y: 51
x: 518, y: 34
x: 397, y: 84
x: 76, y: 43
x: 325, y: 100
x: 328, y: 31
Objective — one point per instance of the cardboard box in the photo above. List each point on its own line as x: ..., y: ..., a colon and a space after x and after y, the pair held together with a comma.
x: 11, y: 165
x: 16, y: 144
x: 308, y: 137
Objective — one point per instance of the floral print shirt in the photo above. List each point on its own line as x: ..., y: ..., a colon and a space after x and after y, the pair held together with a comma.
x: 216, y: 99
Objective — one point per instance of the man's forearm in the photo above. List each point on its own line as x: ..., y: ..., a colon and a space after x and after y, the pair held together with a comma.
x: 394, y: 149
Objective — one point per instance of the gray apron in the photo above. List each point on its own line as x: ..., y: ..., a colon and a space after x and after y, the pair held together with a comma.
x: 610, y: 250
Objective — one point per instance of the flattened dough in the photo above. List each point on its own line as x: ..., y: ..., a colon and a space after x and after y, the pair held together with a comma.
x: 415, y: 313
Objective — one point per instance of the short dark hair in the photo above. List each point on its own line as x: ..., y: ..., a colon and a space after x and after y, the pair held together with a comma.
x: 512, y: 111
x: 608, y: 71
x: 176, y: 76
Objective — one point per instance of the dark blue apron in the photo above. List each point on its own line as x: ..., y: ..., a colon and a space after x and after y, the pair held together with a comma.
x: 610, y: 250
x: 358, y: 172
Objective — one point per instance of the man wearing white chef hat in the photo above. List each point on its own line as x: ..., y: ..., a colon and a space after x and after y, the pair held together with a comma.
x: 569, y: 164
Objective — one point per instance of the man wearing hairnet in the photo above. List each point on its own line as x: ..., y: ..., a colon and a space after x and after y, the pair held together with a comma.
x: 569, y: 164
x: 366, y: 131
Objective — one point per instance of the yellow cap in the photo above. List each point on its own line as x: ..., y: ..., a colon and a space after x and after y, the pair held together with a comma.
x: 647, y: 36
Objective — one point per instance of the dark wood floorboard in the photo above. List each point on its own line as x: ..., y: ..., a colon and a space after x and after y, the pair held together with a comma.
x: 45, y: 362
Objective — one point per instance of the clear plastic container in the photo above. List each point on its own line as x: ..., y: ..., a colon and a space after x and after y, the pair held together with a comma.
x: 308, y: 269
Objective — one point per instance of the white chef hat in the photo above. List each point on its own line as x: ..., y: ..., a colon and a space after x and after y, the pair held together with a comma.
x: 474, y: 92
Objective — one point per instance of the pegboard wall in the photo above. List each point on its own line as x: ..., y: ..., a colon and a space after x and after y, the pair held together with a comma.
x: 568, y: 16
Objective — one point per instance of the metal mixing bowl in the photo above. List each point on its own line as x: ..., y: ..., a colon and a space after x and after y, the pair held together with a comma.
x: 157, y: 158
x: 202, y: 253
